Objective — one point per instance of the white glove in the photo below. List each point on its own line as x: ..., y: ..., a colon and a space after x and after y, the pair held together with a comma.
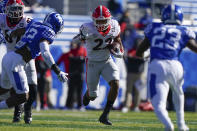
x: 117, y: 53
x: 86, y: 34
x: 62, y: 76
x: 1, y: 38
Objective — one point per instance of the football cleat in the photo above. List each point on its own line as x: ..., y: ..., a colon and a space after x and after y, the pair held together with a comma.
x: 17, y: 113
x: 125, y: 109
x: 183, y: 128
x: 104, y: 119
x: 86, y: 100
x: 27, y: 114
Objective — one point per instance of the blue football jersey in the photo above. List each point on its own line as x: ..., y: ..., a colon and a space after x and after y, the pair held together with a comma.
x: 36, y: 31
x: 2, y: 5
x: 2, y: 10
x: 167, y: 41
x: 1, y: 38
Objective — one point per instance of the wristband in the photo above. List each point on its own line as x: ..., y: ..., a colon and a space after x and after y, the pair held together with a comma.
x: 55, y: 68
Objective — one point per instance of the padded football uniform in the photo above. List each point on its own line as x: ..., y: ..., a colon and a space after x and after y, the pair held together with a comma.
x: 99, y: 61
x: 2, y: 5
x: 13, y: 63
x: 11, y: 42
x: 166, y: 44
x: 3, y: 50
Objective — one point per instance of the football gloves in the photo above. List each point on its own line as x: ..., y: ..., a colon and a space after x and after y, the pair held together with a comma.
x: 62, y: 76
x: 117, y: 53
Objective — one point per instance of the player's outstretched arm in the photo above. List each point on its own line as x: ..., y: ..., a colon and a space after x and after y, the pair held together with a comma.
x: 192, y: 45
x: 144, y: 45
x: 48, y: 58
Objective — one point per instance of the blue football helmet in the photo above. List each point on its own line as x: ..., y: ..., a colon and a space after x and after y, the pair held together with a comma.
x: 55, y: 21
x: 172, y: 14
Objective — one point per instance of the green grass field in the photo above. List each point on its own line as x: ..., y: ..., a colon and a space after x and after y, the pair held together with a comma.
x: 59, y: 120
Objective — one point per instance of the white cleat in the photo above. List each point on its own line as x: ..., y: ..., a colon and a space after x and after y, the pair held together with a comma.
x: 136, y: 109
x: 169, y: 128
x: 125, y: 109
x: 183, y: 128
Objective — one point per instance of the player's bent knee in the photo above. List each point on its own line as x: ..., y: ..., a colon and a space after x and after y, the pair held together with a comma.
x: 92, y: 95
x: 2, y: 90
x: 17, y: 99
x: 23, y: 97
x: 92, y: 98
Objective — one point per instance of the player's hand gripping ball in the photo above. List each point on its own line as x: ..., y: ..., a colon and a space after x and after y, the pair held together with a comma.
x: 114, y: 47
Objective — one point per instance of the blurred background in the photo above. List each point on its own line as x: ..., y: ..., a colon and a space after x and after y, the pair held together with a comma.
x: 133, y: 16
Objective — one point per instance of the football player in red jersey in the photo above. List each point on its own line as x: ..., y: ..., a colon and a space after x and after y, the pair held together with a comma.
x: 13, y: 24
x: 98, y: 35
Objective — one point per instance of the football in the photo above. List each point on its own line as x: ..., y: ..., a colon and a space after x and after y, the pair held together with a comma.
x: 114, y: 47
x: 18, y: 32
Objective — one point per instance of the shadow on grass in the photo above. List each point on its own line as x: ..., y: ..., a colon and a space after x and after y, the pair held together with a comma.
x: 76, y: 126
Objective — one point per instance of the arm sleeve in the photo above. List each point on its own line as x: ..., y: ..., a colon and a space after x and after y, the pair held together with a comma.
x: 44, y: 48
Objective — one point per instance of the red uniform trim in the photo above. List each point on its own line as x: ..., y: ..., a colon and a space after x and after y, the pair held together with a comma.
x: 104, y: 33
x: 9, y: 24
x: 86, y: 60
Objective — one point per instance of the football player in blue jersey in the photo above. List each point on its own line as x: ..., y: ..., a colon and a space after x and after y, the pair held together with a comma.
x: 2, y: 10
x: 2, y: 5
x: 166, y: 40
x: 36, y: 40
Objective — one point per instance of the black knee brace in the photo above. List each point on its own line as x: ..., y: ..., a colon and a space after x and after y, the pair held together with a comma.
x: 32, y: 94
x: 92, y: 98
x: 17, y: 99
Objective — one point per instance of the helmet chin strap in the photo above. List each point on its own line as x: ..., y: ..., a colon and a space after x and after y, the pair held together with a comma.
x: 176, y: 22
x: 102, y: 28
x: 105, y: 32
x: 14, y: 21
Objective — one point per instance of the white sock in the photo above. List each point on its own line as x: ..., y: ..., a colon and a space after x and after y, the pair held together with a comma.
x: 178, y: 101
x: 3, y: 105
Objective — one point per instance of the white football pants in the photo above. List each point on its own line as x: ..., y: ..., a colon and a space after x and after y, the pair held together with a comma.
x: 162, y: 74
